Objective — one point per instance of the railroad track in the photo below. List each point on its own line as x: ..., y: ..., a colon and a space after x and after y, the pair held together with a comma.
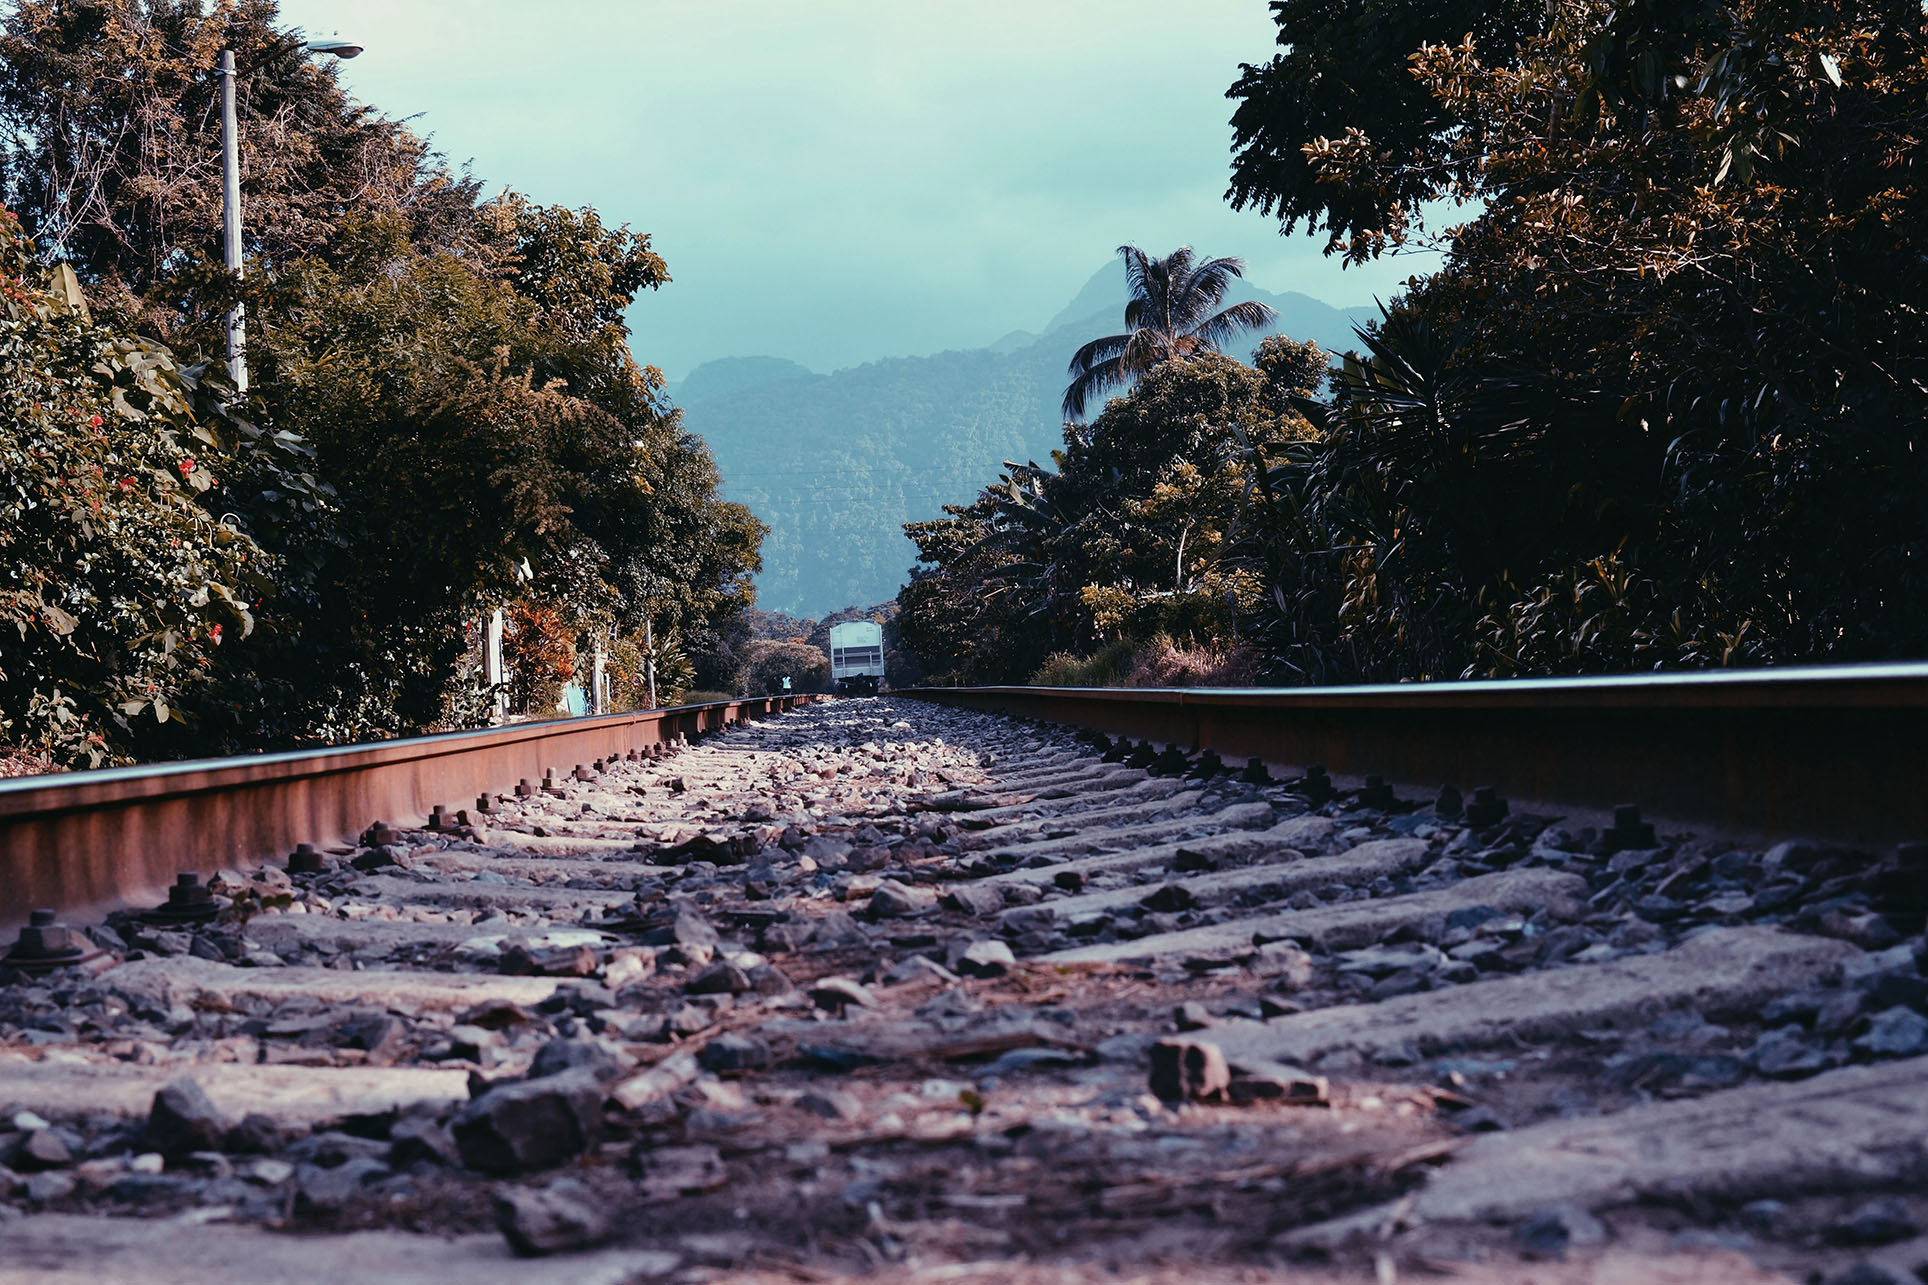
x: 883, y: 987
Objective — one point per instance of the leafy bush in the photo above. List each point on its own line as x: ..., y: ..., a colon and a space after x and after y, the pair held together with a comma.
x: 120, y: 586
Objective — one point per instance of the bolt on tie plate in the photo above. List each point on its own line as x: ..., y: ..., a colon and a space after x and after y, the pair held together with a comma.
x: 1487, y: 807
x: 45, y: 945
x: 189, y: 901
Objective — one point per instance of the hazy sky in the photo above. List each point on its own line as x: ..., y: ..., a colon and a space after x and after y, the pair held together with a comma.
x: 840, y: 180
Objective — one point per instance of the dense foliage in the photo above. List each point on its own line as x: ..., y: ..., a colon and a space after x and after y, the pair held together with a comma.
x: 1666, y: 402
x: 459, y: 370
x: 118, y: 582
x: 1147, y: 525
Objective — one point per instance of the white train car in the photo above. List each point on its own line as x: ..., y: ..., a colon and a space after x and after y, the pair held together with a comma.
x: 856, y: 656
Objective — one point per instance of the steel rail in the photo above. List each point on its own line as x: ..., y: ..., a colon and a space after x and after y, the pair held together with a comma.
x: 1835, y: 752
x: 79, y: 840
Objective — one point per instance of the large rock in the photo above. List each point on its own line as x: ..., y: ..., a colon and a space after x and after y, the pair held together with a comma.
x: 533, y: 1124
x: 893, y: 900
x: 182, y: 1119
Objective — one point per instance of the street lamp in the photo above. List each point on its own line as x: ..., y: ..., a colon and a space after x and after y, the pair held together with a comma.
x: 333, y: 46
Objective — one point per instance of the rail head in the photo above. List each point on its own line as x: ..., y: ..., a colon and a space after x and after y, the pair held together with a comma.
x: 1886, y: 685
x: 102, y: 787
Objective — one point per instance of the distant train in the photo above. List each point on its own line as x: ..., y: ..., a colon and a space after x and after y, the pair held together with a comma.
x: 857, y: 657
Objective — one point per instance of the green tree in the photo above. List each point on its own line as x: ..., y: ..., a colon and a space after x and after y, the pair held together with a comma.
x: 1696, y: 257
x: 462, y: 371
x: 110, y: 117
x: 1149, y: 525
x: 1173, y: 312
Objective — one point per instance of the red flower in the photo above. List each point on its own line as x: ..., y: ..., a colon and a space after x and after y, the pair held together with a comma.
x: 214, y: 632
x: 187, y: 466
x: 94, y: 422
x: 127, y: 484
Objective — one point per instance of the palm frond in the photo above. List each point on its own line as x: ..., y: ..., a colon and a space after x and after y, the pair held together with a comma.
x: 1204, y: 286
x: 1097, y: 352
x: 1137, y: 268
x: 1090, y: 382
x: 1216, y: 331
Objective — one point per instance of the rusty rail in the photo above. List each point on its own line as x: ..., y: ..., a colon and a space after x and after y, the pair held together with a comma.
x: 83, y: 839
x: 1823, y: 752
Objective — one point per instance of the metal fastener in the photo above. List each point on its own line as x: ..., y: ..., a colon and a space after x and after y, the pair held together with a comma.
x: 189, y: 901
x: 45, y: 945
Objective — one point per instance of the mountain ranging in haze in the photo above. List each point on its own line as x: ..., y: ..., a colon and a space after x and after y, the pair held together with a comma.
x: 837, y: 463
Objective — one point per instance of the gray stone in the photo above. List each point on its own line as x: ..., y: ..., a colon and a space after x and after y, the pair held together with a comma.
x: 974, y: 899
x: 732, y: 1053
x: 42, y: 1149
x: 422, y: 1140
x: 1027, y: 919
x: 561, y: 1218
x: 720, y: 978
x: 320, y: 1189
x: 668, y: 1172
x: 1192, y: 1016
x: 988, y: 958
x: 561, y: 1055
x: 1551, y: 1232
x: 533, y: 1124
x: 1894, y: 1032
x: 894, y: 900
x: 919, y: 968
x: 831, y: 1104
x: 838, y: 993
x: 332, y: 1148
x: 183, y: 1119
x: 1787, y: 1054
x: 1878, y: 1222
x: 257, y: 1134
x: 44, y: 1188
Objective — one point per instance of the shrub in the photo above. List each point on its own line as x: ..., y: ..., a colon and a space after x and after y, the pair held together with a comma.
x: 120, y: 586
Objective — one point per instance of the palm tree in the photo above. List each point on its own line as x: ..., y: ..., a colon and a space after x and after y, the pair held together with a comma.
x: 1169, y: 315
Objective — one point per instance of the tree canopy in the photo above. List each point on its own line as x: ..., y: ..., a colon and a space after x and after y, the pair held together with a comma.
x: 456, y: 369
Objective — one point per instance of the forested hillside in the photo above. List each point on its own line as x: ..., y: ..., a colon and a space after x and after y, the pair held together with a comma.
x: 836, y: 464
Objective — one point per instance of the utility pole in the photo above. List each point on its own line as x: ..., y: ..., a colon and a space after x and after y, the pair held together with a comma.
x: 231, y: 222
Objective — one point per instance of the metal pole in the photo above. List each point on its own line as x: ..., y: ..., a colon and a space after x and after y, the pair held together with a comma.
x: 231, y: 220
x: 649, y: 662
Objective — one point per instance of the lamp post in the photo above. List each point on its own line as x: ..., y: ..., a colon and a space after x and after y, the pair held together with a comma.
x: 237, y: 325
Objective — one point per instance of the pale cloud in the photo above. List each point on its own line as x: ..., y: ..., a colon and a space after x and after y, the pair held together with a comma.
x: 842, y: 180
